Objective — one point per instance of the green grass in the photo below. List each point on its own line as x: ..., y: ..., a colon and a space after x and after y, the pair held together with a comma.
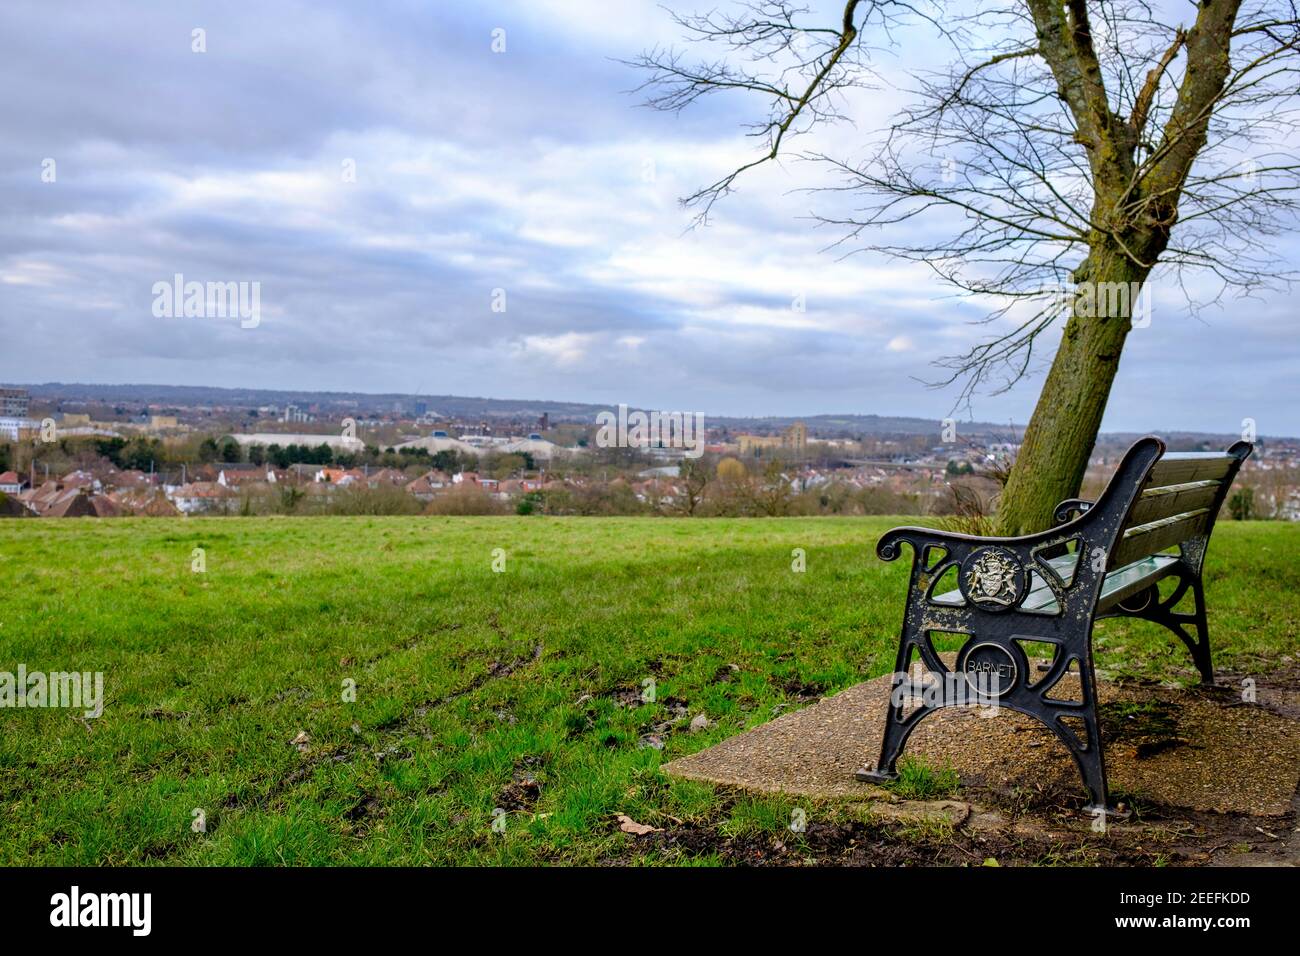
x: 474, y: 690
x: 917, y: 781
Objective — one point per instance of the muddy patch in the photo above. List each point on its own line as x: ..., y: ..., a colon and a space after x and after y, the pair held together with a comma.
x: 1006, y: 828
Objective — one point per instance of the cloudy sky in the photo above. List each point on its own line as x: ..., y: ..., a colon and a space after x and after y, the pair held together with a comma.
x: 531, y: 171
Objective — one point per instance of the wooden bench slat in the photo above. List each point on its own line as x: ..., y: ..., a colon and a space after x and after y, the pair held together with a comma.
x: 1192, y: 466
x: 1163, y: 502
x: 1129, y: 580
x: 1142, y: 540
x: 1041, y: 597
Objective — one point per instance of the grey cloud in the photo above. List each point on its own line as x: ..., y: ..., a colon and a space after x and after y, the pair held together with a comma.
x: 475, y: 171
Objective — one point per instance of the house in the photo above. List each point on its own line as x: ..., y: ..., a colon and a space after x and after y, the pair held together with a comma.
x: 53, y: 496
x: 334, y: 476
x: 233, y: 476
x: 106, y: 507
x: 132, y: 478
x: 373, y: 479
x: 386, y: 476
x: 144, y: 500
x: 81, y: 503
x: 657, y: 491
x: 81, y: 479
x: 199, y: 497
x: 11, y: 483
x: 428, y: 485
x: 11, y: 507
x: 513, y: 487
x: 41, y: 497
x: 158, y: 507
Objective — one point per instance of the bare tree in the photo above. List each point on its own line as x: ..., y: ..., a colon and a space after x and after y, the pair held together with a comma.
x: 769, y: 494
x: 695, y: 474
x: 1068, y: 149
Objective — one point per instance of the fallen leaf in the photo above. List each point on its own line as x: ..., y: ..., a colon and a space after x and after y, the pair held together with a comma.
x: 628, y: 825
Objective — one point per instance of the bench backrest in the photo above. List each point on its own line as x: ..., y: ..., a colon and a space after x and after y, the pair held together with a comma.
x: 1178, y: 502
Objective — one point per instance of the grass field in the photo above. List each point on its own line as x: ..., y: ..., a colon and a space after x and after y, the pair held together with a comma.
x: 475, y: 690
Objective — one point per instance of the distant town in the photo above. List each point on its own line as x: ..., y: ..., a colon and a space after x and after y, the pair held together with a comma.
x: 116, y: 451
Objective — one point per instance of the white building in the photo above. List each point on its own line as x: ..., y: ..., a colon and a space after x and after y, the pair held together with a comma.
x: 199, y: 497
x: 440, y: 441
x: 535, y: 445
x: 16, y: 429
x: 226, y: 480
x: 284, y: 440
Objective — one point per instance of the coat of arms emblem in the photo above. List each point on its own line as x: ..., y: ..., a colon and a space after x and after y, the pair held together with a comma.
x: 993, y: 579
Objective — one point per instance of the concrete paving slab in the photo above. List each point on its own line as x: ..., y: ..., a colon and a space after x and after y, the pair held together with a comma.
x: 1206, y: 751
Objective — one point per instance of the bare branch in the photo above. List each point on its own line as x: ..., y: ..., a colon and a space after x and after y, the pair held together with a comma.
x: 1083, y: 142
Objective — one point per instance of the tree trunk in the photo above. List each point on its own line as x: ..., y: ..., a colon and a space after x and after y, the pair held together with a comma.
x: 1064, y: 426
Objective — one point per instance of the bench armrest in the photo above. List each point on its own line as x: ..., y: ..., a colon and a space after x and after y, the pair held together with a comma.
x: 1029, y: 556
x: 1070, y: 507
x: 888, y: 548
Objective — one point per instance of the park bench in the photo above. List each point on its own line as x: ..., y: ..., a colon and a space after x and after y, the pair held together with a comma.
x: 1102, y: 559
